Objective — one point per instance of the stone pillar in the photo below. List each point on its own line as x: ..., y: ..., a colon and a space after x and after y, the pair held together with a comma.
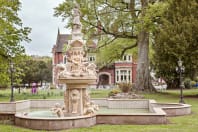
x: 75, y: 97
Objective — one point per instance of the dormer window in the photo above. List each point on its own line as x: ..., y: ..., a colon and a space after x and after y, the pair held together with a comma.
x: 127, y: 58
x: 92, y: 58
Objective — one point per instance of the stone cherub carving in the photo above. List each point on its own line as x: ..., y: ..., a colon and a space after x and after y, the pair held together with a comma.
x: 58, y: 109
x: 77, y: 65
x: 90, y: 108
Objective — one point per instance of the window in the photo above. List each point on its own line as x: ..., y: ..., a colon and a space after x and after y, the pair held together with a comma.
x: 91, y: 58
x: 117, y: 76
x: 127, y: 58
x: 123, y: 75
x: 65, y: 59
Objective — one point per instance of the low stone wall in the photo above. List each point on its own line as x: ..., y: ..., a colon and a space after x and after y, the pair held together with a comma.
x: 101, y: 102
x: 128, y: 103
x: 7, y: 107
x: 55, y: 123
x: 13, y: 107
x: 173, y: 109
x: 7, y: 118
x: 131, y: 119
x: 45, y: 103
x: 22, y: 105
x: 158, y: 113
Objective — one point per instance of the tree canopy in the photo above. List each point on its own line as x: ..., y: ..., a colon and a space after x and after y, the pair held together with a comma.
x: 176, y: 37
x: 12, y: 33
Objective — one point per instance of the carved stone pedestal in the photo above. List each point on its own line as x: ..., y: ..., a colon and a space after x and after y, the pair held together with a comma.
x: 76, y: 96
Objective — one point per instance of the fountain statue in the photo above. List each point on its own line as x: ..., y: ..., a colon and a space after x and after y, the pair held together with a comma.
x: 77, y: 74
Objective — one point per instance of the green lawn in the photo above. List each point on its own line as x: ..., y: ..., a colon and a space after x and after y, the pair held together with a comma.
x: 187, y: 123
x: 51, y: 94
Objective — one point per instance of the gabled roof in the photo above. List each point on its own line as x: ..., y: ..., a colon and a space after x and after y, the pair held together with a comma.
x: 61, y: 40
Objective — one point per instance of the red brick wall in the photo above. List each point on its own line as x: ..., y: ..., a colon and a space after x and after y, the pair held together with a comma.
x: 58, y: 58
x: 111, y: 71
x: 134, y: 72
x: 123, y: 64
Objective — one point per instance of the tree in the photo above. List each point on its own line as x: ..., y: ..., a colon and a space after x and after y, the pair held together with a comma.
x: 177, y: 37
x: 36, y: 70
x: 11, y: 34
x: 118, y: 19
x: 109, y: 53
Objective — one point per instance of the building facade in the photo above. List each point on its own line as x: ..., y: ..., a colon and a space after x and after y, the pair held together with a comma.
x: 120, y: 71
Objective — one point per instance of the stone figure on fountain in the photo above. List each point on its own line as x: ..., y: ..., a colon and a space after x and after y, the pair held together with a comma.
x: 77, y: 74
x: 58, y: 110
x: 77, y: 26
x: 77, y: 65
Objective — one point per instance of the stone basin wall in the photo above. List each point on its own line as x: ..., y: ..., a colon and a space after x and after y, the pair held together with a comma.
x: 157, y: 113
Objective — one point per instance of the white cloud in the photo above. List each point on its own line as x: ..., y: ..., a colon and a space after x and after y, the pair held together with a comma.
x: 38, y: 14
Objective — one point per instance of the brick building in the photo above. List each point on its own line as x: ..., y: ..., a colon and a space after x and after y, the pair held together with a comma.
x: 120, y: 71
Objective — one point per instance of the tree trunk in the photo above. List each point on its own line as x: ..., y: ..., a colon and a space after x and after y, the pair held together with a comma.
x: 143, y: 79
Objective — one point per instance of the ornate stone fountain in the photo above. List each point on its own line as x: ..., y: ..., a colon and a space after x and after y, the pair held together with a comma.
x: 77, y: 73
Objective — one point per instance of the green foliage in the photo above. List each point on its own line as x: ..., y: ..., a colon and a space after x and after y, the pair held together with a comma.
x: 11, y: 30
x: 12, y: 33
x: 36, y: 70
x: 109, y: 53
x: 193, y: 83
x: 113, y: 92
x: 187, y: 83
x: 176, y: 37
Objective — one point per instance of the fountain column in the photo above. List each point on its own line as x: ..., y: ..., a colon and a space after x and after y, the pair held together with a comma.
x: 78, y: 73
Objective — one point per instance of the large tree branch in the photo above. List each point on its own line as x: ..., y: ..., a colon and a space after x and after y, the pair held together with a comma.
x: 127, y: 48
x: 125, y: 9
x: 106, y: 43
x: 117, y: 35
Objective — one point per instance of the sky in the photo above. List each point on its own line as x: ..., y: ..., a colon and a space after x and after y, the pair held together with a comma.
x: 38, y: 15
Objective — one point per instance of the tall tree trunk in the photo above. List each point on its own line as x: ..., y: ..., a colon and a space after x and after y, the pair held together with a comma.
x: 143, y: 79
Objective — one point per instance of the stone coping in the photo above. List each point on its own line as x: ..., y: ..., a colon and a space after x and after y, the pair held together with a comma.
x: 157, y: 108
x: 126, y: 99
x: 19, y: 115
x: 172, y: 105
x: 15, y: 102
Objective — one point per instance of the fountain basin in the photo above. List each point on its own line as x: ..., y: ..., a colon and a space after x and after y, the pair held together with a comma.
x: 113, y: 111
x: 39, y: 123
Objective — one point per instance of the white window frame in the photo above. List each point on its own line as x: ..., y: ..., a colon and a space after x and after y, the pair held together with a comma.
x: 123, y: 75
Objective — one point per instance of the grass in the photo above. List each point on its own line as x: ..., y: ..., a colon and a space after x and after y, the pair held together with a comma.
x: 52, y: 94
x: 187, y: 123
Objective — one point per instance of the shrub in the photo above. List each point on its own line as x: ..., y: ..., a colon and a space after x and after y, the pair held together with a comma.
x: 193, y: 84
x: 125, y: 87
x: 196, y: 79
x: 187, y: 83
x: 44, y: 96
x: 113, y: 92
x: 61, y: 93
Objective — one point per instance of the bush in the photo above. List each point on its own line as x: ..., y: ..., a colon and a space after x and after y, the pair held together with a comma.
x: 125, y: 87
x: 196, y: 79
x: 113, y: 92
x: 193, y: 84
x: 187, y: 83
